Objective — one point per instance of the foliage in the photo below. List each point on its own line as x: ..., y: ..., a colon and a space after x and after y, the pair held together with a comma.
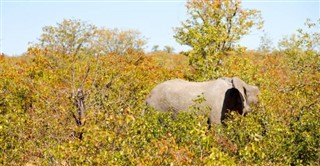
x: 155, y: 48
x: 38, y: 126
x: 73, y: 37
x: 169, y: 60
x: 40, y: 122
x: 307, y: 39
x: 266, y: 44
x: 69, y: 37
x: 118, y: 41
x: 168, y: 49
x: 213, y: 29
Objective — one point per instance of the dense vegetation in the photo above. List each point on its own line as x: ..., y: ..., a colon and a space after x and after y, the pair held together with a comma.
x: 69, y: 100
x: 212, y: 30
x: 39, y: 111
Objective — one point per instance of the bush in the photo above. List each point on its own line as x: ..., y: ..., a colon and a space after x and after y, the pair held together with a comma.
x: 39, y: 112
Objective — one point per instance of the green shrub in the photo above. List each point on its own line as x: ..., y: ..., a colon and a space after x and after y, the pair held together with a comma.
x: 38, y: 112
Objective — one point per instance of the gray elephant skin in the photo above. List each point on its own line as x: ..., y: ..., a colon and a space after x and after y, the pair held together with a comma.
x: 218, y: 96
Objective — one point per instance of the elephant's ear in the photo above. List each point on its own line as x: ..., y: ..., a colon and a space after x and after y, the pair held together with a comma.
x: 233, y: 101
x: 249, y: 92
x: 240, y: 85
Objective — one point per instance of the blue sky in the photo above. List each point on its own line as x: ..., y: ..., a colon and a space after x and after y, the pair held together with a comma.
x: 22, y: 21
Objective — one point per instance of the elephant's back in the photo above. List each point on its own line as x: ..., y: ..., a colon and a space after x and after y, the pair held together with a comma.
x: 178, y: 94
x: 183, y: 86
x: 172, y: 94
x: 187, y: 87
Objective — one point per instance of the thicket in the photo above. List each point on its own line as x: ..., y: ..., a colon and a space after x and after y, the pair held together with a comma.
x: 63, y: 103
x: 39, y: 111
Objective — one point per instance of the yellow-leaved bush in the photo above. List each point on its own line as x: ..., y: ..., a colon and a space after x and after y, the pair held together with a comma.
x: 38, y: 111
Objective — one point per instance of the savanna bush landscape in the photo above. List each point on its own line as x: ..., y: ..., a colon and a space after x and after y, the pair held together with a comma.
x: 71, y: 101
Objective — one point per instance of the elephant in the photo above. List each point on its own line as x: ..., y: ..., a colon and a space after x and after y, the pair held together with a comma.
x: 219, y: 96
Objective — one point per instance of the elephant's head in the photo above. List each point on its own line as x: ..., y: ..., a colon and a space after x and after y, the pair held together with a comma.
x: 239, y: 97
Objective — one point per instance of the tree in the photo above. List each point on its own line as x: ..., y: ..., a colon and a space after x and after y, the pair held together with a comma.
x: 168, y: 49
x: 307, y: 39
x: 69, y: 37
x: 266, y: 44
x: 155, y: 48
x: 118, y: 41
x: 213, y: 29
x: 72, y: 36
